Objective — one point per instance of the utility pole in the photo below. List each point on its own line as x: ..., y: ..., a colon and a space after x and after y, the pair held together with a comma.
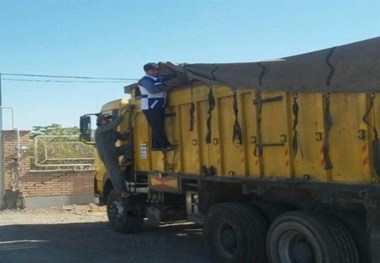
x: 2, y: 203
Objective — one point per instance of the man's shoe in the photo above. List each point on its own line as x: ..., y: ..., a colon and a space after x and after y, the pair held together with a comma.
x: 169, y: 148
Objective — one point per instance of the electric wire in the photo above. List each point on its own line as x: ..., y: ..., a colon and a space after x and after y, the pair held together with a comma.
x: 58, y: 78
x: 66, y: 81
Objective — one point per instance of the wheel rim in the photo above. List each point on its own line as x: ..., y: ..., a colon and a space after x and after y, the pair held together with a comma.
x: 226, y: 240
x: 294, y: 247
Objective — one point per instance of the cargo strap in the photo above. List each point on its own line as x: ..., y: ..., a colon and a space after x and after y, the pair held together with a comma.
x: 237, y: 138
x: 327, y: 118
x: 328, y: 122
x: 192, y: 110
x: 295, y: 142
x: 258, y: 150
x: 211, y: 106
x: 375, y: 141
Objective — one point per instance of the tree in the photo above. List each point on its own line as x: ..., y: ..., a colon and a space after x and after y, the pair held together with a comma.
x: 54, y: 129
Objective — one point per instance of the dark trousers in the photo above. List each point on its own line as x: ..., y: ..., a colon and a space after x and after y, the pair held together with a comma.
x: 156, y: 121
x: 116, y: 175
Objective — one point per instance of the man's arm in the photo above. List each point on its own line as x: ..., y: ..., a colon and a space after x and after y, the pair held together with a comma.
x: 111, y: 126
x: 123, y: 136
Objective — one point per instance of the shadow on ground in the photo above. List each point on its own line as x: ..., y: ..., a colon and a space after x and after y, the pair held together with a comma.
x: 97, y: 242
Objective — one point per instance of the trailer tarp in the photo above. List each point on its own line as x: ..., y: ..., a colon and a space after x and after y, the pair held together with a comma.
x: 349, y: 68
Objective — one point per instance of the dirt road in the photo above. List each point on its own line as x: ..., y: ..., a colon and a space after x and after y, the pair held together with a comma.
x: 82, y: 234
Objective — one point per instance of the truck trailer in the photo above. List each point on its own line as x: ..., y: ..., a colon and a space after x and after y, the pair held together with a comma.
x: 278, y: 160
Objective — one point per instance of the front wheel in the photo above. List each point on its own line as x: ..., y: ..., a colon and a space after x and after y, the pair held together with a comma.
x: 121, y: 217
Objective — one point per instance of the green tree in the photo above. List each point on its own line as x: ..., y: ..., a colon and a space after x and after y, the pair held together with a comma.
x: 54, y: 129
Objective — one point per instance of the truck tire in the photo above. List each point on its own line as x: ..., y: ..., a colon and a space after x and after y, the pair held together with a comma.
x: 300, y: 237
x: 122, y: 219
x: 356, y: 225
x: 235, y: 233
x: 346, y: 245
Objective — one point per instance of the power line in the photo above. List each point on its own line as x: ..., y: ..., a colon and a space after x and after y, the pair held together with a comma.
x: 71, y: 77
x: 65, y: 81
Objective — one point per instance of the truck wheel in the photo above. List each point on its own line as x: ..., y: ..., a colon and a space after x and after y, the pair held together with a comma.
x: 235, y: 233
x: 299, y: 237
x: 122, y: 219
x: 355, y: 223
x: 346, y: 245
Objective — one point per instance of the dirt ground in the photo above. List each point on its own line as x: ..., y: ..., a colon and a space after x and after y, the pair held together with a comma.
x: 81, y: 233
x: 54, y: 215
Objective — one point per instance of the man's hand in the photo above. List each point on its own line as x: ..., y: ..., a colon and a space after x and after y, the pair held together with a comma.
x: 127, y: 108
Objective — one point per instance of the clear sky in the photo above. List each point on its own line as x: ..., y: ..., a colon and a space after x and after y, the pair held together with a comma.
x: 115, y: 38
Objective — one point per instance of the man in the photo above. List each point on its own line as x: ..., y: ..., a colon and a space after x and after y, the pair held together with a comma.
x: 153, y: 101
x: 106, y: 136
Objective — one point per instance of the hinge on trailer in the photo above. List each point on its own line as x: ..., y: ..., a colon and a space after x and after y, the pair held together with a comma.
x: 271, y: 99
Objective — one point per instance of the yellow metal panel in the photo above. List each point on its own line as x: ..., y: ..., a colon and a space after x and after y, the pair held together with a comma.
x: 142, y: 142
x: 173, y: 122
x: 249, y: 127
x: 274, y: 132
x: 157, y: 159
x: 308, y: 160
x: 232, y: 154
x: 189, y: 141
x: 346, y: 148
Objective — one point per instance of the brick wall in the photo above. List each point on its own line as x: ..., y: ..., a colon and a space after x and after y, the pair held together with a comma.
x: 57, y: 183
x: 14, y: 166
x: 20, y: 183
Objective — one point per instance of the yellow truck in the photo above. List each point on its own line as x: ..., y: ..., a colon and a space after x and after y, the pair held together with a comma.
x: 278, y: 160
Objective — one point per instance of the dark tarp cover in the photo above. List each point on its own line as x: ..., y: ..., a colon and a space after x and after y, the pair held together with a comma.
x: 349, y: 68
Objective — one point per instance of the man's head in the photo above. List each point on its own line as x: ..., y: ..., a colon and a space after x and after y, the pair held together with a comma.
x: 103, y: 120
x: 151, y: 69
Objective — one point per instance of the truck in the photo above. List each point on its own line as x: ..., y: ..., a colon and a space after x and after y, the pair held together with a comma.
x: 278, y: 160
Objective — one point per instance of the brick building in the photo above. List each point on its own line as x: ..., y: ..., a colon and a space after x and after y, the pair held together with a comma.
x: 27, y: 188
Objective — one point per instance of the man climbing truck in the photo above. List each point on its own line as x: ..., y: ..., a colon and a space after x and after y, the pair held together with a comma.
x: 279, y: 160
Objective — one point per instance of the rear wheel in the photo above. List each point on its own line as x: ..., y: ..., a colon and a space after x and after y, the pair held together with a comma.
x: 121, y: 218
x: 300, y: 237
x: 347, y: 249
x: 235, y: 233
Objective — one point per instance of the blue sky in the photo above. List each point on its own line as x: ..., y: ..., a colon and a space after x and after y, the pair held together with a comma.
x: 114, y: 38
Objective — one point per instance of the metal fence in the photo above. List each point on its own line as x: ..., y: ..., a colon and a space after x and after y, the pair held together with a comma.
x: 52, y: 152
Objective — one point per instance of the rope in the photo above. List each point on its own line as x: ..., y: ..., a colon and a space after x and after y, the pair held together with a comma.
x: 211, y: 106
x: 328, y: 122
x: 192, y: 110
x: 375, y: 141
x: 295, y: 141
x: 258, y: 150
x: 237, y: 137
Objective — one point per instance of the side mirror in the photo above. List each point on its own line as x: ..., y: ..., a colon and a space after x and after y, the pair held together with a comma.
x: 85, y: 128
